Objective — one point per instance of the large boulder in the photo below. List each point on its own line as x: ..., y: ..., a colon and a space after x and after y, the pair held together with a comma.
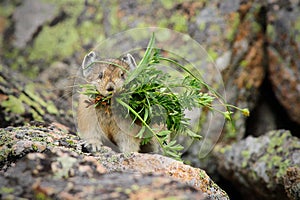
x: 46, y: 161
x: 266, y: 167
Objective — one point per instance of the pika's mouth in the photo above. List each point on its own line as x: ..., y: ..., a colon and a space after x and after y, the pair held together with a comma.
x: 99, y: 100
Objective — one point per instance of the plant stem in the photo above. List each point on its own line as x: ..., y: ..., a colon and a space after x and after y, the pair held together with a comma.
x: 142, y: 120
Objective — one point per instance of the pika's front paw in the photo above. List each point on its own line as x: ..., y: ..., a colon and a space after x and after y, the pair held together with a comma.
x: 93, y: 146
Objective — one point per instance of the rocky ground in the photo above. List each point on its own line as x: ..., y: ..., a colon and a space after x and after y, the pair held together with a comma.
x: 47, y: 161
x: 255, y: 44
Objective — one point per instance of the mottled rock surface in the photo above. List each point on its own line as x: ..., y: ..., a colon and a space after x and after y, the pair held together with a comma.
x: 23, y: 100
x: 267, y: 167
x: 48, y: 162
x: 255, y: 44
x: 284, y: 54
x: 29, y: 17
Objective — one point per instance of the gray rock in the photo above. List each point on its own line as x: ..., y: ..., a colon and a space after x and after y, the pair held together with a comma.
x: 29, y: 17
x: 261, y: 166
x: 50, y: 162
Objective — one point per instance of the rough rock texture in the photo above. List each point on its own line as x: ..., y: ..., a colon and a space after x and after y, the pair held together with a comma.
x: 284, y: 54
x: 237, y: 46
x: 29, y: 17
x: 267, y: 167
x: 46, y: 161
x: 22, y: 101
x: 62, y: 174
x: 254, y: 43
x: 292, y: 183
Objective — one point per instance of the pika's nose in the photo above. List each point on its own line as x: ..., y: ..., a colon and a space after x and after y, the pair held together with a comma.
x: 110, y: 88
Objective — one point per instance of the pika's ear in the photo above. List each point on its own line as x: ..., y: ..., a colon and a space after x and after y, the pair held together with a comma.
x: 87, y: 63
x: 128, y: 58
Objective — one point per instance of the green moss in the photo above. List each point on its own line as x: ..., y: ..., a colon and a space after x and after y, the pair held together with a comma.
x: 163, y: 22
x: 37, y: 111
x: 179, y: 22
x: 167, y: 4
x: 282, y: 168
x: 6, y: 190
x: 202, y: 174
x: 212, y: 54
x: 244, y: 63
x: 2, y: 80
x: 271, y: 32
x: 70, y: 142
x: 30, y: 91
x: 14, y: 105
x: 7, y: 9
x: 36, y: 116
x: 34, y: 147
x: 276, y: 141
x: 51, y: 108
x: 87, y: 32
x: 225, y: 148
x: 36, y: 102
x: 135, y: 187
x: 127, y: 191
x: 115, y: 22
x: 256, y: 27
x: 202, y: 26
x: 246, y: 155
x: 274, y: 158
x: 118, y: 189
x: 55, y: 42
x: 41, y: 196
x: 233, y: 27
x: 14, y: 55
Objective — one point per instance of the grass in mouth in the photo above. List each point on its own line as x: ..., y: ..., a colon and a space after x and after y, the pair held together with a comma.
x: 148, y: 98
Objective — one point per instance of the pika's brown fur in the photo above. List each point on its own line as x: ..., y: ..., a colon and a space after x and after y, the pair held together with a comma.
x: 103, y: 124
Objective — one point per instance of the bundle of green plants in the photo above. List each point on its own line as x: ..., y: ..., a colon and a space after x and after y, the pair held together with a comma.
x: 148, y: 98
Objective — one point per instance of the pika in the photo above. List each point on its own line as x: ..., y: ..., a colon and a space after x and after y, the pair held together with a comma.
x: 99, y: 125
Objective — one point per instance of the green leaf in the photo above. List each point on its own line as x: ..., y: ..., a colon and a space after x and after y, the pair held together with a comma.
x: 141, y: 132
x: 163, y: 133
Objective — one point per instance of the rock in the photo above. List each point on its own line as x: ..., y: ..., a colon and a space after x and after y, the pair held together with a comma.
x: 239, y: 53
x: 148, y: 163
x: 252, y: 42
x: 292, y: 183
x: 263, y: 167
x: 29, y: 17
x: 284, y: 54
x: 22, y: 101
x: 48, y: 162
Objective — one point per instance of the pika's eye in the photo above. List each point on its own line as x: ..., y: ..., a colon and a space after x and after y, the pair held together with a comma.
x: 124, y: 59
x: 122, y: 74
x: 100, y: 76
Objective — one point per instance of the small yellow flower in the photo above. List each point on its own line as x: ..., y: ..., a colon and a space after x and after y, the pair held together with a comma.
x: 246, y: 112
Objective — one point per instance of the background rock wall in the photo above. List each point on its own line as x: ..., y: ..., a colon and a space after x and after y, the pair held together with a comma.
x: 255, y: 44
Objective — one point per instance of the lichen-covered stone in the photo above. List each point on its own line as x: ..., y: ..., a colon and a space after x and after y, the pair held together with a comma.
x: 262, y: 164
x: 284, y: 54
x: 23, y: 101
x: 48, y: 162
x: 29, y: 17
